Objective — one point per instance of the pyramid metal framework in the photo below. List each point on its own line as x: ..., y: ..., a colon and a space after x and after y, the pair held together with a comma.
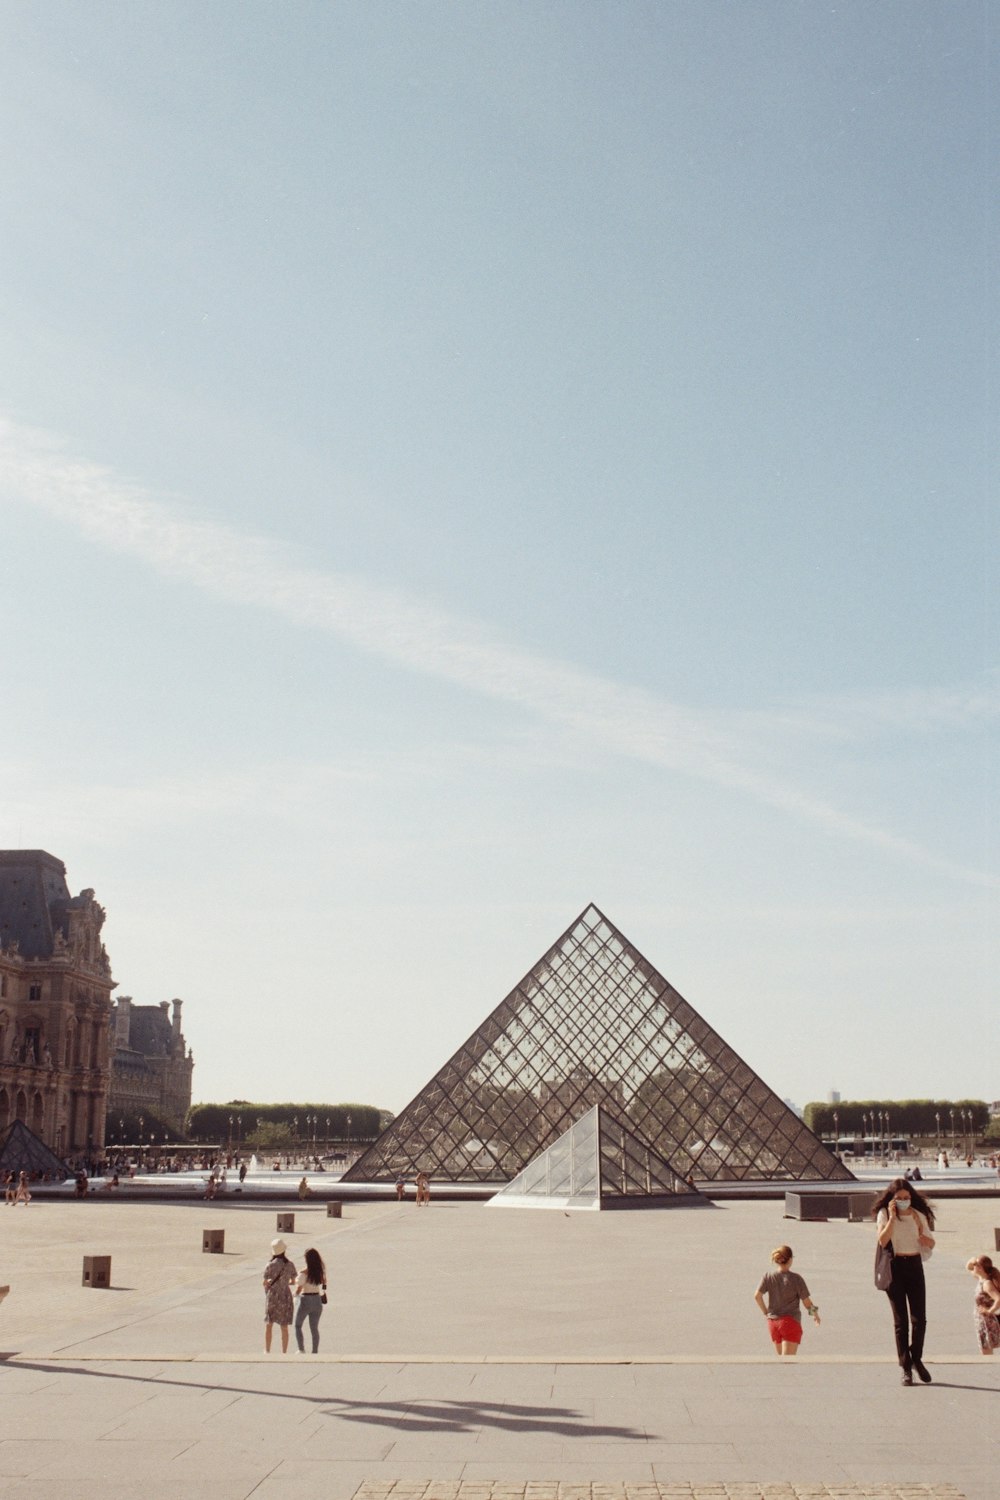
x: 22, y: 1151
x: 593, y: 1022
x: 598, y: 1163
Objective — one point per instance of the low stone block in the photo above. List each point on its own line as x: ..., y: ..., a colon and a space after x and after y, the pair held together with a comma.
x: 286, y: 1223
x: 213, y: 1241
x: 97, y: 1270
x: 334, y: 1209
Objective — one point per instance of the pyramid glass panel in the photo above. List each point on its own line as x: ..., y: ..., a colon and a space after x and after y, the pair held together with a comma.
x: 594, y: 1024
x: 21, y: 1150
x: 597, y: 1164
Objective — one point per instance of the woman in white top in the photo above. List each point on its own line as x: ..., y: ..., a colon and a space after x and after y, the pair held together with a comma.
x: 904, y: 1221
x: 310, y: 1288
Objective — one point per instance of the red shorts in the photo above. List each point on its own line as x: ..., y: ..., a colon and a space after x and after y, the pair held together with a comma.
x: 785, y: 1330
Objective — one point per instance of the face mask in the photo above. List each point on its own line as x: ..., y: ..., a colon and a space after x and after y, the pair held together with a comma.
x: 902, y: 1202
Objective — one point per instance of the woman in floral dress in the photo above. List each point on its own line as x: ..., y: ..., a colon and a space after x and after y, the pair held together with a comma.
x: 986, y: 1307
x: 279, y: 1274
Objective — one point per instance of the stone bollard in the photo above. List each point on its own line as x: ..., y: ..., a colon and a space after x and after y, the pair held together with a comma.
x: 286, y: 1223
x: 334, y: 1209
x: 213, y: 1241
x: 97, y: 1270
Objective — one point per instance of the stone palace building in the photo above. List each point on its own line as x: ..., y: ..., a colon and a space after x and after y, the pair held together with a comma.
x: 55, y: 1004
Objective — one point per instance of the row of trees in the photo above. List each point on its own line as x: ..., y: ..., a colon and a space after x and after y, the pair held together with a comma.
x: 273, y: 1126
x: 914, y: 1117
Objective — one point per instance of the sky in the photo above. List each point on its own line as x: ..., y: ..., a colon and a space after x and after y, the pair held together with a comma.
x: 460, y: 462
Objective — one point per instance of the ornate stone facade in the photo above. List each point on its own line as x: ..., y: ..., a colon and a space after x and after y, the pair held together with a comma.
x: 55, y: 1004
x: 152, y: 1066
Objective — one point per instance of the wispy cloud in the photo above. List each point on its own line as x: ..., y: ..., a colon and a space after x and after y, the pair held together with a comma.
x: 254, y: 570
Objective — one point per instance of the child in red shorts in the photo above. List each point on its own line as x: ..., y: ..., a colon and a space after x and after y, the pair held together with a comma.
x: 781, y: 1296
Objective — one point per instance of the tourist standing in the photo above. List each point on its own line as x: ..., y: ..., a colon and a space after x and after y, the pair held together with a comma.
x: 423, y: 1188
x: 279, y: 1274
x: 986, y: 1307
x: 904, y: 1220
x: 781, y: 1295
x: 22, y: 1193
x: 310, y: 1288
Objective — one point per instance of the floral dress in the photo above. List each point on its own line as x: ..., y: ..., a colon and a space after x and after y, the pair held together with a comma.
x: 279, y: 1274
x: 987, y: 1323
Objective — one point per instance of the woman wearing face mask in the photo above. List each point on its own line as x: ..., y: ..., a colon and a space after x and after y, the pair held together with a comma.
x: 904, y: 1221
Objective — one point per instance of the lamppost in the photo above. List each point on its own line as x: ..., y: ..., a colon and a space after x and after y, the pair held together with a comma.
x: 953, y: 1141
x: 121, y: 1132
x: 348, y: 1139
x: 327, y: 1141
x: 239, y: 1130
x: 864, y: 1133
x: 937, y: 1129
x: 888, y: 1136
x: 836, y: 1133
x: 230, y: 1145
x: 142, y: 1127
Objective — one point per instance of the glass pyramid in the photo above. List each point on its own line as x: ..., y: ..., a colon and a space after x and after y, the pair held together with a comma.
x: 597, y: 1163
x: 22, y: 1151
x: 594, y: 1023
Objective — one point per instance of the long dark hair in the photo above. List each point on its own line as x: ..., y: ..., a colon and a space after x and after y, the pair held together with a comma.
x: 315, y: 1269
x: 990, y: 1272
x: 917, y: 1199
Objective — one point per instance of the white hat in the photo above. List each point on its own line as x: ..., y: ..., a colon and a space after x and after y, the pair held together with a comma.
x: 279, y: 1247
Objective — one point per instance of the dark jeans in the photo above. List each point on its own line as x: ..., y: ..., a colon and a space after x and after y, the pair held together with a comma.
x: 907, y: 1286
x: 311, y: 1307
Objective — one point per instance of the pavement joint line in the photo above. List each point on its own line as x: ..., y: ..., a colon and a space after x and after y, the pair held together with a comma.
x: 300, y: 1361
x: 734, y: 1489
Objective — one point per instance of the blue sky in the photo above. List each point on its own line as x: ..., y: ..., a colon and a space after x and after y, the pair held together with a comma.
x: 463, y: 461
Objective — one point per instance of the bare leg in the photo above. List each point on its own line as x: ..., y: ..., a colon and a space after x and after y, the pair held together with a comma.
x: 789, y: 1349
x: 284, y: 1338
x: 268, y: 1330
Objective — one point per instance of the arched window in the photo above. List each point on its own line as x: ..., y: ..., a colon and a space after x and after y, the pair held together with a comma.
x: 21, y: 1106
x: 37, y: 1113
x: 4, y: 1109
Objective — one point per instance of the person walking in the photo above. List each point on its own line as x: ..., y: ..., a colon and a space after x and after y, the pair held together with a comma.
x: 986, y: 1307
x: 279, y: 1274
x: 423, y: 1189
x: 310, y: 1288
x: 904, y: 1220
x: 780, y: 1296
x: 22, y: 1193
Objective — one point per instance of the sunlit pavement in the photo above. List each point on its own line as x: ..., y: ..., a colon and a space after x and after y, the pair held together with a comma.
x: 478, y: 1347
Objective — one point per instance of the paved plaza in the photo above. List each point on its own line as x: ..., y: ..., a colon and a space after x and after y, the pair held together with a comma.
x: 471, y: 1353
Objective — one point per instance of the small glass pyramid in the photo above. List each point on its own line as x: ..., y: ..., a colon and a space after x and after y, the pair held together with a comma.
x: 598, y: 1163
x: 22, y: 1151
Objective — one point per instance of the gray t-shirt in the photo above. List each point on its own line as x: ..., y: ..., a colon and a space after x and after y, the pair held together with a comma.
x: 783, y: 1291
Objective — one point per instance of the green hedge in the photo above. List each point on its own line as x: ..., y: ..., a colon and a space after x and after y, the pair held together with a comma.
x: 914, y: 1117
x: 210, y: 1122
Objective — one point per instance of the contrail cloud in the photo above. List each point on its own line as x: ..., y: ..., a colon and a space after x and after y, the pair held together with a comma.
x: 252, y: 570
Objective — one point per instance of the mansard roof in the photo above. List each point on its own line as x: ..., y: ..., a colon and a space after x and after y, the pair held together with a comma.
x: 32, y: 882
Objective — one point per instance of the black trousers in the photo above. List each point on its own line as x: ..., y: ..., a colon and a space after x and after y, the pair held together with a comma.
x: 908, y: 1288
